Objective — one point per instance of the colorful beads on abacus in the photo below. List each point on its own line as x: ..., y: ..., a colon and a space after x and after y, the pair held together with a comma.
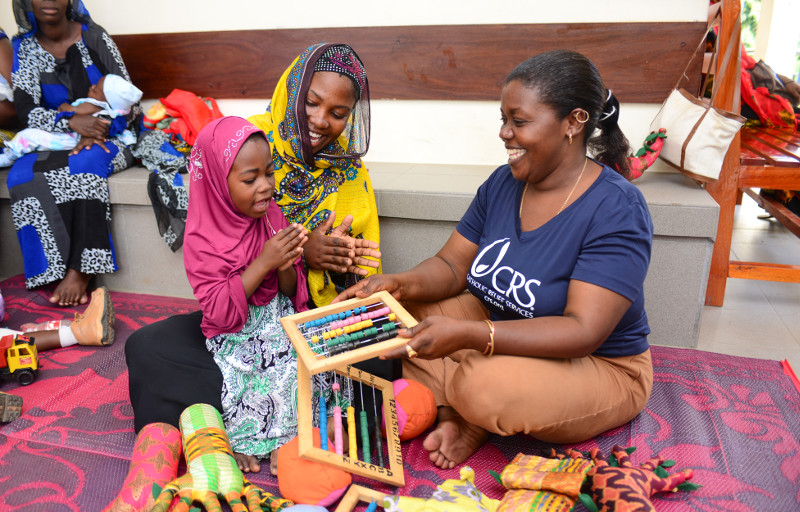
x: 323, y: 422
x: 347, y: 329
x: 339, y: 316
x: 359, y: 342
x: 338, y: 443
x: 361, y: 334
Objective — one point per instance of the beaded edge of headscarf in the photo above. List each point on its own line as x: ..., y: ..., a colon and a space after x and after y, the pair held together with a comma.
x: 195, y: 167
x: 26, y: 21
x: 343, y: 60
x: 358, y: 129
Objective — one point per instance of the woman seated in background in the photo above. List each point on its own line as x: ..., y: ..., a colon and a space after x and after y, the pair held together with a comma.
x: 8, y: 114
x: 319, y: 175
x: 59, y: 201
x: 551, y: 339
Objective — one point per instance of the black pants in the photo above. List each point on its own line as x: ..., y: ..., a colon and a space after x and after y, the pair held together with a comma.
x: 170, y: 369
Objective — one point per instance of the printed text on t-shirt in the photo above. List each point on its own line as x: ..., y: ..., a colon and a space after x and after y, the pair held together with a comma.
x: 510, y: 288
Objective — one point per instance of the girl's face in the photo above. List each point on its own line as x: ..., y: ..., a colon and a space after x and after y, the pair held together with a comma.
x: 50, y: 11
x: 329, y: 103
x: 533, y: 134
x: 251, y: 181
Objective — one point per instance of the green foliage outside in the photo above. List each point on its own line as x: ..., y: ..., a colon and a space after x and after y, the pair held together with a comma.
x: 750, y: 11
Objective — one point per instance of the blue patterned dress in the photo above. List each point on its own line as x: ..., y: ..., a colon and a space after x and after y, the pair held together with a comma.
x: 59, y: 203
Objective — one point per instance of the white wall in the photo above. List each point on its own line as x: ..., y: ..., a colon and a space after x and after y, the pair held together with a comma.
x: 156, y: 16
x: 417, y: 131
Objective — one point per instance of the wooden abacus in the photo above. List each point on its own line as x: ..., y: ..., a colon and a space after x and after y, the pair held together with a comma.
x: 302, y: 327
x: 332, y: 338
x: 393, y: 474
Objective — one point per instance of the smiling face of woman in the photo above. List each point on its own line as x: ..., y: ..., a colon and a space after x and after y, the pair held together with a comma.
x: 330, y: 101
x: 533, y: 134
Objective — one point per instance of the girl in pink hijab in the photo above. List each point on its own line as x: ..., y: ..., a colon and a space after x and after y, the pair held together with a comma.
x: 242, y: 258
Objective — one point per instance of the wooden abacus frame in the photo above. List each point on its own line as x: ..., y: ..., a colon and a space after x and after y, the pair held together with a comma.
x: 317, y: 363
x: 393, y: 475
x: 357, y: 493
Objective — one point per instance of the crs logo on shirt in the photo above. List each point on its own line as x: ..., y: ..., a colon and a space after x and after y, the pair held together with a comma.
x: 506, y: 281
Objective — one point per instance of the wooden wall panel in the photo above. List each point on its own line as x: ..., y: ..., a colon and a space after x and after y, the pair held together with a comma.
x: 641, y: 62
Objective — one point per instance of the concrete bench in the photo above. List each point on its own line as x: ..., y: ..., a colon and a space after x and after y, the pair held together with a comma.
x: 419, y: 206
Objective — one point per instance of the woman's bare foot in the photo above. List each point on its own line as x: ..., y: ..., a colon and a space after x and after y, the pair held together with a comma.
x: 247, y: 463
x: 453, y: 440
x: 71, y: 291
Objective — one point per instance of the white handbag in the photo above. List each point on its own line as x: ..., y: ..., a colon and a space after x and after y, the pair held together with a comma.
x: 698, y: 134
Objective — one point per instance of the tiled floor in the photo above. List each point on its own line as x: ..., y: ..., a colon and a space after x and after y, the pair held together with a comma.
x: 760, y: 318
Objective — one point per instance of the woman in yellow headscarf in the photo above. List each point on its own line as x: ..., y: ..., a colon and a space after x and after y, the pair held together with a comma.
x: 318, y: 127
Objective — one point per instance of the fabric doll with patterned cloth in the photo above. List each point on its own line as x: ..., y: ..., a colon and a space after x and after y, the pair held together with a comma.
x: 212, y: 470
x: 451, y: 496
x: 618, y: 486
x: 539, y: 483
x: 647, y: 154
x: 154, y: 463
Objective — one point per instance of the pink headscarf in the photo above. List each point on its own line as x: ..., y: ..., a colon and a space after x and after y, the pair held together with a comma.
x: 219, y: 241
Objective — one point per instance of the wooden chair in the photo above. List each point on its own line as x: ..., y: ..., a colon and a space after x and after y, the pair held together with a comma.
x: 759, y: 158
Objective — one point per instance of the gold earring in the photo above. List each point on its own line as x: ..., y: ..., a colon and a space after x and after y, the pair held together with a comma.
x: 570, y: 139
x: 582, y: 116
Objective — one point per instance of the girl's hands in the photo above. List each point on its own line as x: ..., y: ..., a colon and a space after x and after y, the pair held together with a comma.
x: 283, y: 249
x: 337, y: 252
x: 89, y: 126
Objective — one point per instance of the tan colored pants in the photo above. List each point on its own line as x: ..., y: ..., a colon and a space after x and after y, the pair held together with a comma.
x: 554, y: 400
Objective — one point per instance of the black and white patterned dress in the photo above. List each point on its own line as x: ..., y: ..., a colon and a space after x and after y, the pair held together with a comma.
x: 59, y: 203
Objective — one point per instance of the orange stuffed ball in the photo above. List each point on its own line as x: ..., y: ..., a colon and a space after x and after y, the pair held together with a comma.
x: 416, y: 408
x: 307, y: 482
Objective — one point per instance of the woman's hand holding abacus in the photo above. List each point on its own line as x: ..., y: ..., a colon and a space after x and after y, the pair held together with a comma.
x: 440, y: 336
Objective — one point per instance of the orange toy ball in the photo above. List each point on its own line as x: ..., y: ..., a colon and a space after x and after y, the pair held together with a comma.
x: 416, y: 408
x: 306, y: 482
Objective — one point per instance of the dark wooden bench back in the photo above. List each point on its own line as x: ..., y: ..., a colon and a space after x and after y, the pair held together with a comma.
x: 641, y: 62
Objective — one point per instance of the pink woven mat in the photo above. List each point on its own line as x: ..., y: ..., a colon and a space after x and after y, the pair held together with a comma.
x: 735, y: 421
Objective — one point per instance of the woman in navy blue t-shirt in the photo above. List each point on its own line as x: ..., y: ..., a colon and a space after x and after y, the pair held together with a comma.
x: 550, y: 336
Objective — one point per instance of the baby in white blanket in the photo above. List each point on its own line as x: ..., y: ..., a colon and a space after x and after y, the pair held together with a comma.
x: 111, y: 96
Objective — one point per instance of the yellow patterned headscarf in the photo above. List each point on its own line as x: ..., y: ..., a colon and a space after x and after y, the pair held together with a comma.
x: 311, y: 186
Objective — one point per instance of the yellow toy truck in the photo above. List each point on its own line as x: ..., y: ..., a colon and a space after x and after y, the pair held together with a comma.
x: 19, y: 358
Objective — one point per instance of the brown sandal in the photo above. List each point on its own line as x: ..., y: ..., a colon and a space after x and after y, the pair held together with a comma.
x: 95, y: 325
